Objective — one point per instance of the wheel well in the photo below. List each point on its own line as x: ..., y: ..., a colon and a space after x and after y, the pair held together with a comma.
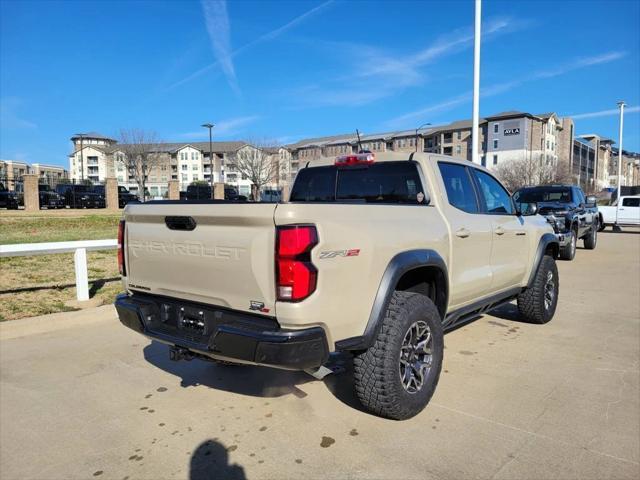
x: 429, y: 281
x: 552, y: 250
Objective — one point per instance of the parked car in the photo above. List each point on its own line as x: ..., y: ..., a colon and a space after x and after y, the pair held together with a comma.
x: 203, y: 192
x: 372, y: 256
x: 271, y: 195
x: 572, y: 215
x: 49, y: 198
x: 623, y: 214
x: 124, y: 195
x: 80, y: 196
x: 9, y: 199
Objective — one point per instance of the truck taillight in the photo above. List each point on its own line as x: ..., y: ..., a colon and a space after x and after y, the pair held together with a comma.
x: 121, y: 266
x: 295, y: 274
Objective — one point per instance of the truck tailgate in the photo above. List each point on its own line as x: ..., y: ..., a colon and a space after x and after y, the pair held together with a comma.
x: 227, y: 259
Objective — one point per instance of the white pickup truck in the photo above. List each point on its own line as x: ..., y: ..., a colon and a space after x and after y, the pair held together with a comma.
x: 625, y: 213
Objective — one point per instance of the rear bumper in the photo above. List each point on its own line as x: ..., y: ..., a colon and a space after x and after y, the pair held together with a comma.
x: 223, y: 334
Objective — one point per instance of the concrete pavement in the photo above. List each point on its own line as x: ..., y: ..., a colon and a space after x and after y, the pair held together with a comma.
x: 515, y: 400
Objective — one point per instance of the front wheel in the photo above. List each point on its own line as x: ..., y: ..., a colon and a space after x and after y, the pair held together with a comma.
x: 396, y: 377
x: 537, y: 304
x: 591, y: 239
x: 568, y: 252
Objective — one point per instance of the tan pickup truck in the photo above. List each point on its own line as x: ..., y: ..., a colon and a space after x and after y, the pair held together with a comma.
x: 373, y: 256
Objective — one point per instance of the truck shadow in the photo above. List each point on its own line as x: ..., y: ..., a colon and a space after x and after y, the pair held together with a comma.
x: 210, y: 461
x: 242, y: 379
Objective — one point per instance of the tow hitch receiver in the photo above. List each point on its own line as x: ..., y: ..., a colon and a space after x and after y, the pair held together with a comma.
x: 178, y: 353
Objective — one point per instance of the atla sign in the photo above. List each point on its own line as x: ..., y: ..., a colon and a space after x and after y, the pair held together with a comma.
x: 511, y: 131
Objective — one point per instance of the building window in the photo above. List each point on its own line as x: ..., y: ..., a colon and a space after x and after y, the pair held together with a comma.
x: 184, y: 167
x: 195, y: 178
x: 547, y: 144
x: 459, y: 133
x: 484, y: 160
x: 496, y: 126
x: 185, y: 177
x: 458, y: 150
x: 495, y: 159
x: 163, y: 167
x: 164, y: 178
x: 194, y: 167
x: 495, y: 144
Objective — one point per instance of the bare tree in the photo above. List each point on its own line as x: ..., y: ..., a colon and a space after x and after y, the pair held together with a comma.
x: 256, y: 163
x: 142, y: 153
x: 534, y: 170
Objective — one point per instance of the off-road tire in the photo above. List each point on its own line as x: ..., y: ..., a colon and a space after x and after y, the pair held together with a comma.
x: 569, y: 252
x: 591, y: 239
x: 531, y: 302
x: 377, y: 370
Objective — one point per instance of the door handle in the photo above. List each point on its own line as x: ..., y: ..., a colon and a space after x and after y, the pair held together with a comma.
x: 499, y: 231
x: 462, y: 233
x: 521, y: 233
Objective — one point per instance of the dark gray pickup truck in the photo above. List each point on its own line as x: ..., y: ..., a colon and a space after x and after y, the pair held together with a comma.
x: 573, y: 215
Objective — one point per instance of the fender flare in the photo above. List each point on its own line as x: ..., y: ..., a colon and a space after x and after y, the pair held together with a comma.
x: 545, y: 241
x: 400, y: 264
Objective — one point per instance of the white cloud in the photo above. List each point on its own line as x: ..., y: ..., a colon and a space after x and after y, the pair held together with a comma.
x: 216, y: 19
x: 263, y: 38
x: 497, y: 89
x: 378, y: 73
x: 605, y: 113
x: 223, y: 128
x: 9, y: 118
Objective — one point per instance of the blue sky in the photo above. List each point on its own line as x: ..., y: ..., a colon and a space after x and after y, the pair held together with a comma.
x: 288, y: 70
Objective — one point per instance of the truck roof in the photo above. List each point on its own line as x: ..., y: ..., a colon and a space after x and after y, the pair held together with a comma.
x: 399, y: 156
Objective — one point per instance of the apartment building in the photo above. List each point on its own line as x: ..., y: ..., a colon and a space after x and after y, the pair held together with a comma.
x: 11, y: 171
x: 50, y: 174
x: 630, y: 168
x: 96, y: 157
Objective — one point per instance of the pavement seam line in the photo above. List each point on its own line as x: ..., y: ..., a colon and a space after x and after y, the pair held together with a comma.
x: 539, y: 435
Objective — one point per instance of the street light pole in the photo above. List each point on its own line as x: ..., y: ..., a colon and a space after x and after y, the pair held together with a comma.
x: 621, y: 104
x: 81, y: 136
x: 476, y: 84
x: 421, y: 126
x: 210, y: 127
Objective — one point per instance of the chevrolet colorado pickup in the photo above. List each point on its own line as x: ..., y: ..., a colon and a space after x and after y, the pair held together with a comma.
x: 572, y: 215
x: 371, y: 256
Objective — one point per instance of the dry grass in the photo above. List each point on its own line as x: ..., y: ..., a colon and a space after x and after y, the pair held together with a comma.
x: 38, y: 285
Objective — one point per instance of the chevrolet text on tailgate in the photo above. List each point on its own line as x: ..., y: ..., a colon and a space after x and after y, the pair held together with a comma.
x: 372, y: 256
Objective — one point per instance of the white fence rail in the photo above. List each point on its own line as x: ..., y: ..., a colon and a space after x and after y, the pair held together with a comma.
x: 79, y: 250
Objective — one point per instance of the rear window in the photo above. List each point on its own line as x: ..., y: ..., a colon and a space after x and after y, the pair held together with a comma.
x: 385, y: 182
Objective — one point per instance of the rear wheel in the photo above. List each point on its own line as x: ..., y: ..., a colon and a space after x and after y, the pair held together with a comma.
x: 592, y: 238
x: 396, y: 377
x: 537, y: 304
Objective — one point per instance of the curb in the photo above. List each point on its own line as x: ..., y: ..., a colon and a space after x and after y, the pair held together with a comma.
x: 55, y: 321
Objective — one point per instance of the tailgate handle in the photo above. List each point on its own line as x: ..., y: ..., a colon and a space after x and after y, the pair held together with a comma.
x: 180, y: 223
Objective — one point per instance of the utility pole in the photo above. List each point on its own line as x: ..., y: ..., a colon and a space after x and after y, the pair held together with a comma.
x: 476, y: 84
x: 621, y: 105
x: 210, y: 127
x: 81, y: 136
x: 421, y: 126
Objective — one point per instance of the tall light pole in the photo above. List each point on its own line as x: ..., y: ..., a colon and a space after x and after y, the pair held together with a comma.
x: 81, y: 136
x: 476, y: 84
x: 421, y: 126
x: 210, y: 127
x: 621, y: 105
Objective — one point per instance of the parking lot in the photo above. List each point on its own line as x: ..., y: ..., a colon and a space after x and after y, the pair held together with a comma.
x: 83, y: 397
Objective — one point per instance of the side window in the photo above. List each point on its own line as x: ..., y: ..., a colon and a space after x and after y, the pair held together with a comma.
x: 496, y: 198
x: 579, y: 196
x: 460, y: 191
x: 631, y: 202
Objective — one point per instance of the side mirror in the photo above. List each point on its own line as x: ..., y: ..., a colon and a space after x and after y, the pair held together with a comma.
x: 526, y: 209
x: 591, y: 201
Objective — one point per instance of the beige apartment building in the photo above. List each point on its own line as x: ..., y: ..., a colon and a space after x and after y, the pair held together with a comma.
x: 96, y: 157
x: 11, y: 172
x: 546, y: 139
